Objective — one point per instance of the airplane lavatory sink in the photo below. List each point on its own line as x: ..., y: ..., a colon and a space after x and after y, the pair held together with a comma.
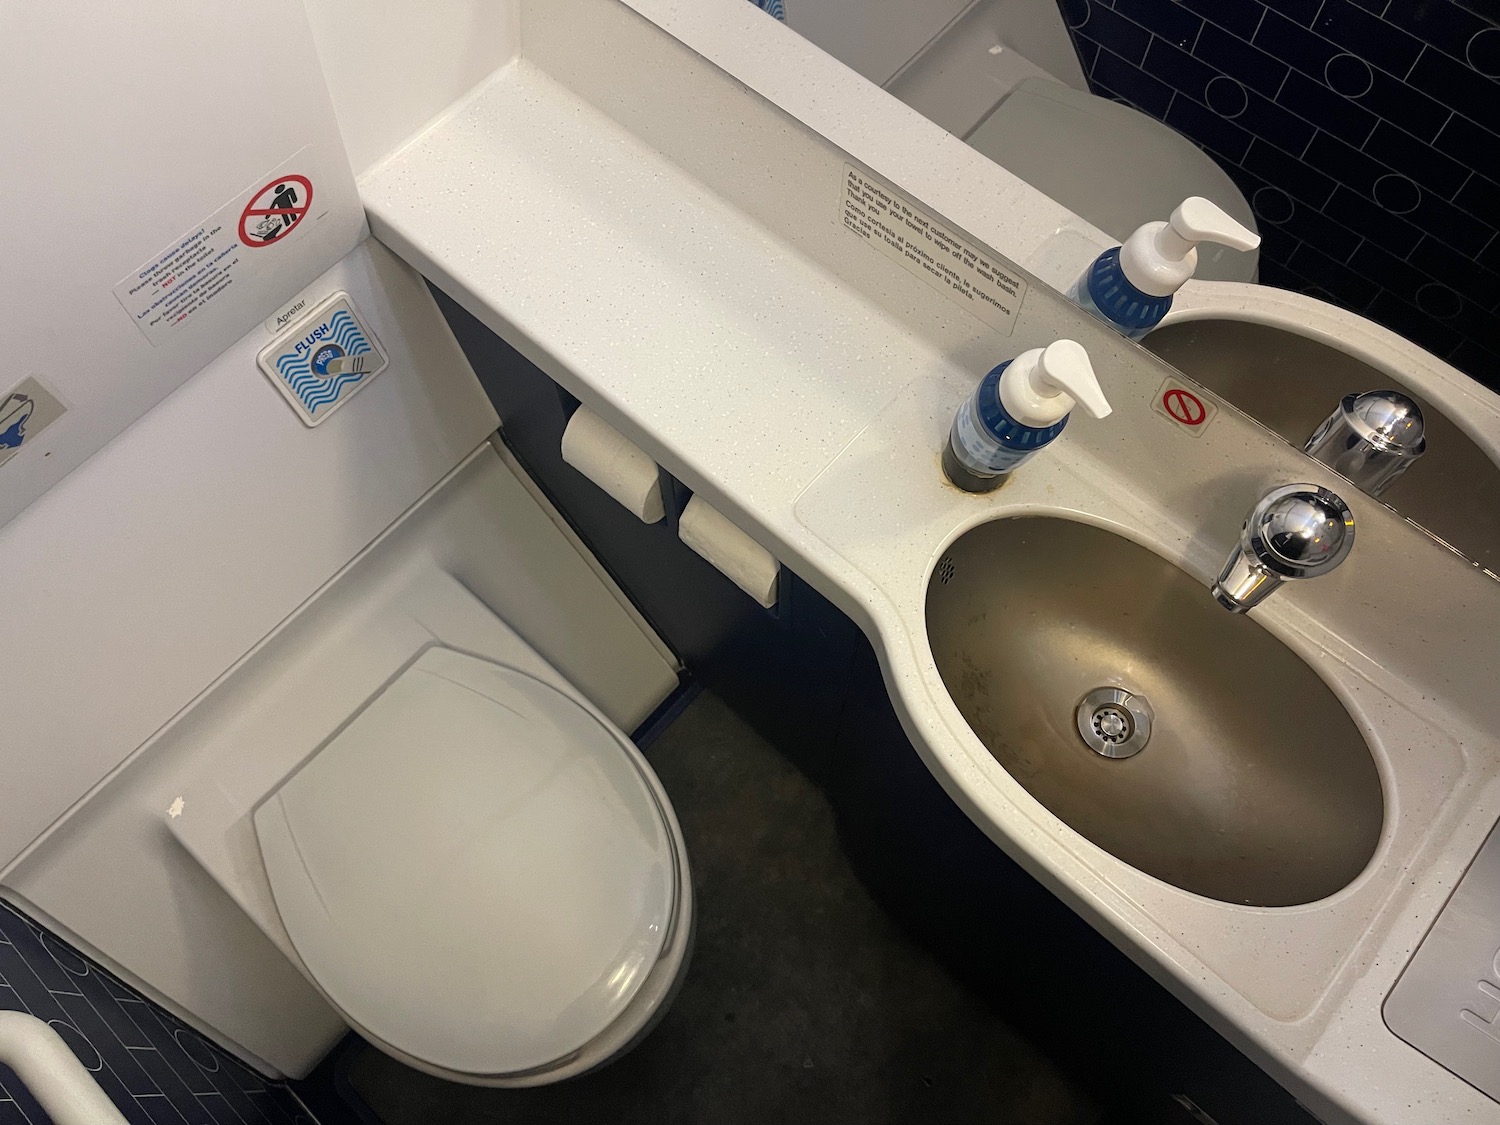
x: 1184, y: 740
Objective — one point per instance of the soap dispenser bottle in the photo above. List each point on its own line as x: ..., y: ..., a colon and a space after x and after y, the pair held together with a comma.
x: 1130, y: 287
x: 1018, y: 408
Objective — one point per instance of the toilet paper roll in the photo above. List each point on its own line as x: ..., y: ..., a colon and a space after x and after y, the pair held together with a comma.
x: 613, y: 462
x: 744, y: 561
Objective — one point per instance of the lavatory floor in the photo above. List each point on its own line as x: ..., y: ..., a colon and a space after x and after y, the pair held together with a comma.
x: 804, y: 1003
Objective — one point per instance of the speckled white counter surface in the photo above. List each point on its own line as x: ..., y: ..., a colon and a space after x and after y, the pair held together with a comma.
x: 665, y: 242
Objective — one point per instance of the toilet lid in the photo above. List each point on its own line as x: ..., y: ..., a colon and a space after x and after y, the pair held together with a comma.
x: 475, y: 869
x: 1111, y: 165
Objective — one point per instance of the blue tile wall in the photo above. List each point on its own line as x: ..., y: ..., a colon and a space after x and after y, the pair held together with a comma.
x: 155, y: 1068
x: 1365, y: 133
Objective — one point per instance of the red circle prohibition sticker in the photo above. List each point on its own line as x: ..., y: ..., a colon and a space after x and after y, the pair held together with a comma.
x: 1184, y: 406
x: 274, y: 210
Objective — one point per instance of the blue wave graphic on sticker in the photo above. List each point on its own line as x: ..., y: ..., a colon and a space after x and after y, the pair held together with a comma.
x: 313, y: 389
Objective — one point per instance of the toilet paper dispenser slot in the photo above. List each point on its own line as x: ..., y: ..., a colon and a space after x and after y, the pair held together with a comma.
x: 615, y: 463
x: 733, y: 553
x: 625, y: 471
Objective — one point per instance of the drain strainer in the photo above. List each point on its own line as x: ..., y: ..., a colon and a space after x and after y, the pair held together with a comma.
x: 1114, y: 722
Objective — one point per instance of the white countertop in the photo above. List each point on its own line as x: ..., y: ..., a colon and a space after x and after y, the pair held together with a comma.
x: 653, y: 233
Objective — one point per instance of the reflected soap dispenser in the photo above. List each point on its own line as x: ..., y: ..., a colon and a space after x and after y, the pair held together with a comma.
x: 1130, y: 287
x: 1017, y: 409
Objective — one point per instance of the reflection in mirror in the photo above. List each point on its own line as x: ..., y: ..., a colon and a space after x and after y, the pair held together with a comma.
x: 1359, y: 142
x: 1292, y: 385
x: 1371, y: 439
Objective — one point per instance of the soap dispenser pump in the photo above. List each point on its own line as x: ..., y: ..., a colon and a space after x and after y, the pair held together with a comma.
x: 1018, y: 408
x: 1130, y: 287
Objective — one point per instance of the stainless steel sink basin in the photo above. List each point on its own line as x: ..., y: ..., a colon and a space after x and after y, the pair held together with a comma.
x: 1253, y: 786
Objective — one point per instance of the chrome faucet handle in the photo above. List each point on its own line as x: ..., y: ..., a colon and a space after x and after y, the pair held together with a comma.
x: 1371, y: 439
x: 1296, y: 531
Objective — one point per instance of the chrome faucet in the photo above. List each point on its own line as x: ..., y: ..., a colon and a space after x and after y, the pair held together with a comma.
x: 1296, y: 531
x: 1371, y: 439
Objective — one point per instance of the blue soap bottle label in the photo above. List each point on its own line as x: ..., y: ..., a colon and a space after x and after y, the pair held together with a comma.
x: 1104, y: 291
x: 986, y: 440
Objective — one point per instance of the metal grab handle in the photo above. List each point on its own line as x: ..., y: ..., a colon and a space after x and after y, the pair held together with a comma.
x: 53, y: 1074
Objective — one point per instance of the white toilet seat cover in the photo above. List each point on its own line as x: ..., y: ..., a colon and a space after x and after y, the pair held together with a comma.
x: 475, y: 869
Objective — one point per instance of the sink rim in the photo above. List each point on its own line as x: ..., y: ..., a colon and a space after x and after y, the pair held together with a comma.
x: 1278, y: 624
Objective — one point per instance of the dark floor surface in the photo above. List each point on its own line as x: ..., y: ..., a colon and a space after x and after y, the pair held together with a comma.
x: 804, y: 1003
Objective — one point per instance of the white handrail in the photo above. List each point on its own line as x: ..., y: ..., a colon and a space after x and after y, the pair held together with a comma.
x: 53, y: 1074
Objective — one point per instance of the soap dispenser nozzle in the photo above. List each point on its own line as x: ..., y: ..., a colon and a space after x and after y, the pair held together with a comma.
x: 1160, y: 257
x: 1061, y: 377
x: 1201, y: 220
x: 1130, y: 286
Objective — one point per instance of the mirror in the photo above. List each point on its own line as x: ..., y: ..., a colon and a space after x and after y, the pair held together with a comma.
x: 1360, y: 138
x: 1290, y: 384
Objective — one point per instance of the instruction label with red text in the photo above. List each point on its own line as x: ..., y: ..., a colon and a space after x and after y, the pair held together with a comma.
x: 244, y: 238
x: 906, y: 232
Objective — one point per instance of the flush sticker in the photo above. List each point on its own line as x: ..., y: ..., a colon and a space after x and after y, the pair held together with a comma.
x: 1188, y: 406
x: 25, y: 411
x: 324, y: 360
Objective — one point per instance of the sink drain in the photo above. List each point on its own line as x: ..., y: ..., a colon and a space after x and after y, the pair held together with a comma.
x: 1114, y: 722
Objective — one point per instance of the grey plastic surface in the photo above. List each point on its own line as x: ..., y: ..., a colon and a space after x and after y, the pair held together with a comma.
x: 1447, y: 1002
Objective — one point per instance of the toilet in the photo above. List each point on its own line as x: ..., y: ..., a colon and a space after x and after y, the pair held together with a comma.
x: 481, y: 875
x: 475, y: 867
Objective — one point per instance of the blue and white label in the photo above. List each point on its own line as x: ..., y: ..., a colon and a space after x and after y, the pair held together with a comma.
x: 324, y: 360
x: 980, y: 451
x: 26, y: 410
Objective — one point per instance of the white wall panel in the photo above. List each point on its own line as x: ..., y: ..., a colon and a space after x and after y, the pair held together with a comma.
x: 393, y: 65
x: 137, y: 581
x: 125, y: 126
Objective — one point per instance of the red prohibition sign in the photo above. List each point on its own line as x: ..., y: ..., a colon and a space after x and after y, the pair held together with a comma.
x: 275, y: 209
x: 1184, y: 406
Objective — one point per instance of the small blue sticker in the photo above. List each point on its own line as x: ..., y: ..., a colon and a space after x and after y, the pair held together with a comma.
x: 15, y: 412
x: 26, y: 410
x: 321, y: 362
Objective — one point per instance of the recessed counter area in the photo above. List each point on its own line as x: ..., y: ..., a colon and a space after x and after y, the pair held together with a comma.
x: 651, y: 205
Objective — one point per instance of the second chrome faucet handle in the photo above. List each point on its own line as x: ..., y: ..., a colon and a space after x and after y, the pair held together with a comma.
x: 1371, y: 439
x: 1294, y: 532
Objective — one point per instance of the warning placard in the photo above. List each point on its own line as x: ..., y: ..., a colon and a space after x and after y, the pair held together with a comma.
x: 274, y: 210
x: 205, y: 262
x: 906, y: 232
